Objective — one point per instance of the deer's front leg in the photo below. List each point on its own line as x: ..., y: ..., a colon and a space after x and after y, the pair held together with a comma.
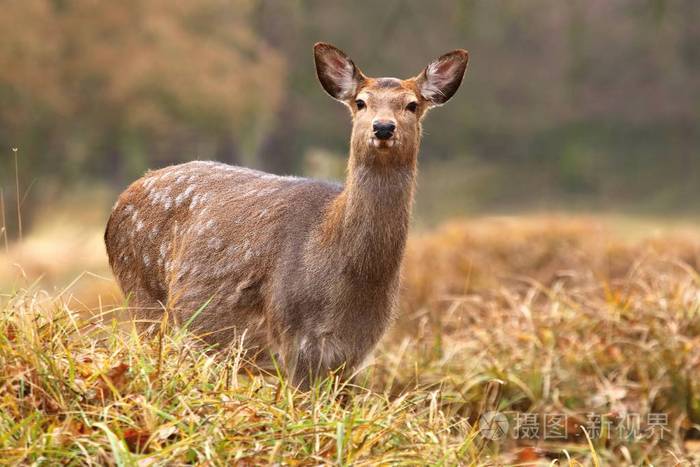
x: 317, y: 358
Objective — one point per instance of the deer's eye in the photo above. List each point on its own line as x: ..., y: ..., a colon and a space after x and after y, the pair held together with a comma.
x: 360, y: 104
x: 412, y: 107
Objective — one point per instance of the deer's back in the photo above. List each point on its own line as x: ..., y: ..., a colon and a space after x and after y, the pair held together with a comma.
x: 206, y: 231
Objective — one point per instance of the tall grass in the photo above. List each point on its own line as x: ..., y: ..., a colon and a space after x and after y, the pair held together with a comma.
x: 75, y: 392
x: 521, y: 316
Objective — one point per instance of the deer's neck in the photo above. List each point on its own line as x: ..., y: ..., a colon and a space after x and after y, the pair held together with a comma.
x: 368, y: 222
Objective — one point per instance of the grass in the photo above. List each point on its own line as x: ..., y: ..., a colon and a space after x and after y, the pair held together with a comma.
x: 531, y: 317
x: 75, y: 392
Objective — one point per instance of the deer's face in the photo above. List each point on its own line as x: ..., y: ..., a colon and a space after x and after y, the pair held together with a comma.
x: 386, y: 114
x: 387, y: 111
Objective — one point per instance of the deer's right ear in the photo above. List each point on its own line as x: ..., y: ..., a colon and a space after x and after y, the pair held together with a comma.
x: 337, y: 73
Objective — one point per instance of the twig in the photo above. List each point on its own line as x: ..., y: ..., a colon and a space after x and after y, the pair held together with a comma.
x: 2, y: 216
x: 19, y: 209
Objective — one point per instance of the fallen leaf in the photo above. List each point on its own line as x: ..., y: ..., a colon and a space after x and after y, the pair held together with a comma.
x: 136, y: 440
x: 527, y: 455
x: 115, y: 378
x: 11, y: 332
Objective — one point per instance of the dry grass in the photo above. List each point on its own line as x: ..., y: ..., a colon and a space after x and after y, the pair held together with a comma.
x: 569, y: 317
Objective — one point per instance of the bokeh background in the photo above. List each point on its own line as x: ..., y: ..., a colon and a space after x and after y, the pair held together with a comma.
x: 579, y: 105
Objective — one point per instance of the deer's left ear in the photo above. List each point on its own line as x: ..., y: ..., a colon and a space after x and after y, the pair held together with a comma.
x: 441, y: 79
x: 337, y: 73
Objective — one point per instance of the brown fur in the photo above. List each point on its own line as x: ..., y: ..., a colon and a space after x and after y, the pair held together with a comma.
x: 300, y: 270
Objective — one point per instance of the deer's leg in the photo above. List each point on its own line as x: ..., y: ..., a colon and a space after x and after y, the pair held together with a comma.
x: 144, y: 309
x: 316, y: 358
x: 221, y: 320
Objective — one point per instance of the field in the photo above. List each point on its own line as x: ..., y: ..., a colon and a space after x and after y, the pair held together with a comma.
x: 519, y: 340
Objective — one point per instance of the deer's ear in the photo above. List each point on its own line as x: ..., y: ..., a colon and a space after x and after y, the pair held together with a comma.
x: 441, y: 79
x: 337, y: 73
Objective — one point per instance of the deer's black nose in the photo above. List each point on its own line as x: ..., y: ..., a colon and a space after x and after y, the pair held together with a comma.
x: 383, y: 129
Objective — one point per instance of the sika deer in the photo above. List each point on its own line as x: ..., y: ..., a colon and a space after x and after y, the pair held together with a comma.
x: 302, y: 270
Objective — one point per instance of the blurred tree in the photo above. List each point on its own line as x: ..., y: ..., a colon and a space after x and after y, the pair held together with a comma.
x: 113, y: 87
x: 595, y: 95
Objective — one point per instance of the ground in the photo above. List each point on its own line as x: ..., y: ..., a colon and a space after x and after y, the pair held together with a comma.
x: 518, y: 340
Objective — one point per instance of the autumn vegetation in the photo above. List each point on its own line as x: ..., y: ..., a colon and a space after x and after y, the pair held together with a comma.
x: 522, y: 315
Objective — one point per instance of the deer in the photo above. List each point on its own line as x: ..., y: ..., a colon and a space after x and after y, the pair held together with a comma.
x: 305, y: 273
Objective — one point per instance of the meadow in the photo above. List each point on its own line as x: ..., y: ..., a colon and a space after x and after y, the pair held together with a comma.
x: 580, y: 333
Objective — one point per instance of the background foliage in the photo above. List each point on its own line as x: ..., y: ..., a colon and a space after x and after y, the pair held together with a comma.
x: 579, y: 103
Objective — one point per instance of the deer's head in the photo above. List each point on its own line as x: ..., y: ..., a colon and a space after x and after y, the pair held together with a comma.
x: 387, y: 112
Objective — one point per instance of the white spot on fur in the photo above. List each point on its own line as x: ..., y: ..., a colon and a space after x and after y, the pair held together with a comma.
x: 153, y: 196
x: 184, y: 195
x: 194, y: 201
x: 262, y: 192
x: 203, y: 198
x: 146, y: 260
x: 215, y: 243
x: 139, y: 226
x: 148, y: 184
